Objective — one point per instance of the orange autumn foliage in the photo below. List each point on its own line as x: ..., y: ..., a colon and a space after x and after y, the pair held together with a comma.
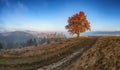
x: 78, y: 24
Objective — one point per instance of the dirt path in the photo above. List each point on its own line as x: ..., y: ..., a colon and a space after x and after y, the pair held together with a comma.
x: 60, y: 65
x: 61, y: 62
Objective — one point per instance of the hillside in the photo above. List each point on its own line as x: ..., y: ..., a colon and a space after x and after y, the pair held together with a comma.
x: 104, y: 55
x: 72, y: 54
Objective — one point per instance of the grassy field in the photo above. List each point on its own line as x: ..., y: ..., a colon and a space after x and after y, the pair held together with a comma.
x: 17, y: 60
x: 103, y: 54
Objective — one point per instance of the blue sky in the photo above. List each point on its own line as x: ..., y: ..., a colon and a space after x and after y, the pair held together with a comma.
x: 52, y: 15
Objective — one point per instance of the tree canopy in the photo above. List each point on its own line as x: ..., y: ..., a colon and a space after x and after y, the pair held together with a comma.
x: 77, y: 24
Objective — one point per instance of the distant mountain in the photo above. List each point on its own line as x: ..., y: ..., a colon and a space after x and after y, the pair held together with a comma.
x: 13, y: 39
x: 15, y: 36
x: 18, y: 39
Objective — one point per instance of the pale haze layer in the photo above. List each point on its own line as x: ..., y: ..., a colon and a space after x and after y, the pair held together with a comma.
x: 52, y: 15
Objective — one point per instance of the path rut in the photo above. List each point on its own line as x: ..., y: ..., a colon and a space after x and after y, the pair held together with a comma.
x: 60, y: 65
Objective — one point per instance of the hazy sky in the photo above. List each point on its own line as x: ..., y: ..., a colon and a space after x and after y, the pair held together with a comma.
x: 52, y: 15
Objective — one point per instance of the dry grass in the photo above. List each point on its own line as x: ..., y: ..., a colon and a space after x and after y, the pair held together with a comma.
x: 33, y: 51
x: 104, y: 55
x: 35, y: 57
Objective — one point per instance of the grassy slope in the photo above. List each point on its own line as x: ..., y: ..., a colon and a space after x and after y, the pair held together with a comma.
x: 104, y: 55
x: 53, y: 53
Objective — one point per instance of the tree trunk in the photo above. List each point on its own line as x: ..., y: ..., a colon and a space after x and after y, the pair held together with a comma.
x: 78, y: 35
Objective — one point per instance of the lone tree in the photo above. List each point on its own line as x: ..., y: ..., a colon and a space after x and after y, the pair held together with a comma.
x: 78, y: 24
